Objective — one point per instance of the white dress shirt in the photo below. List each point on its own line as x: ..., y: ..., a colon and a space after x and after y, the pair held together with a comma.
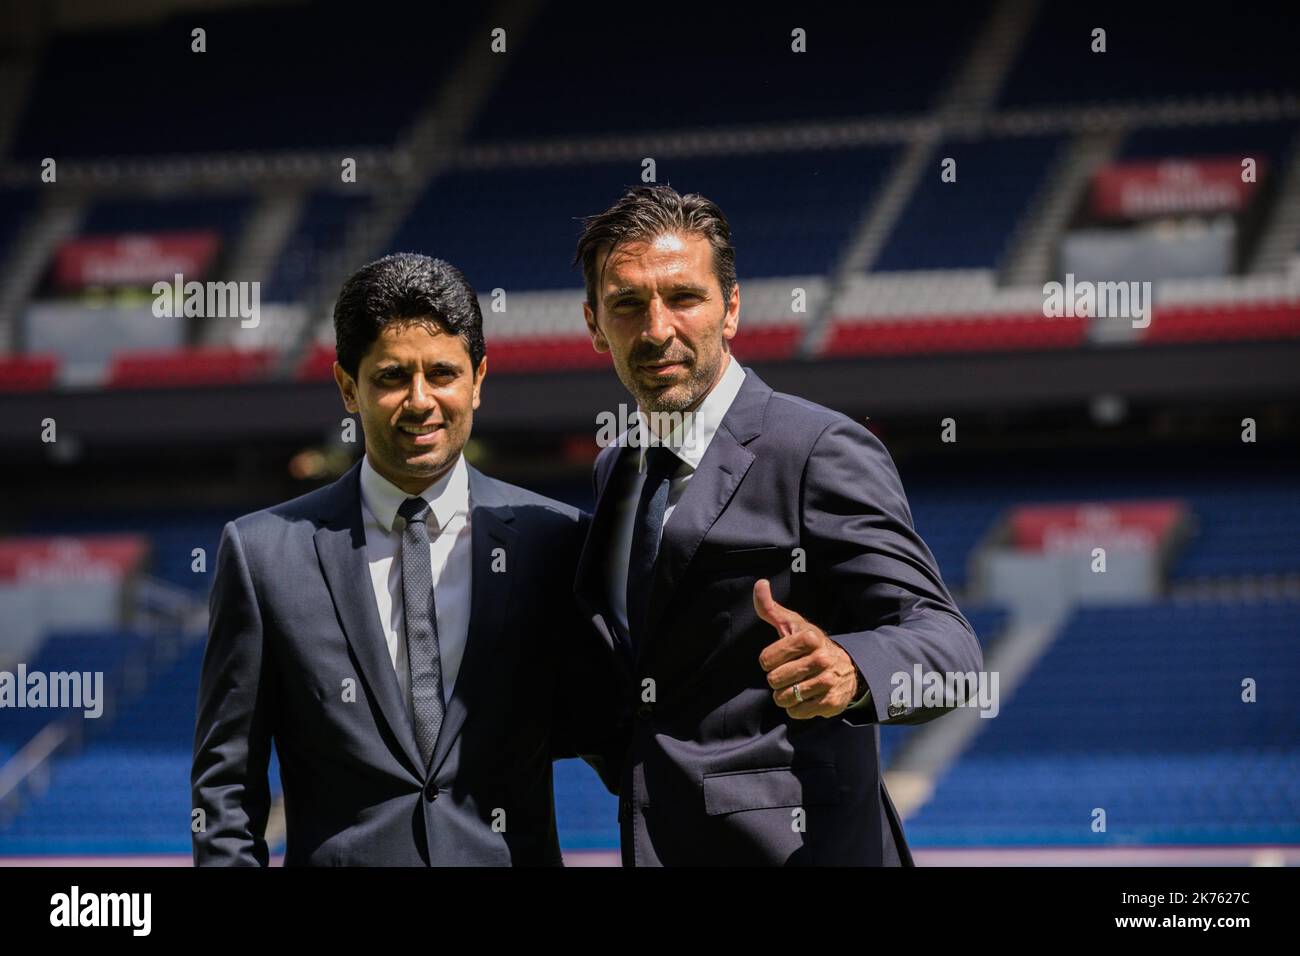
x: 450, y: 555
x: 688, y: 442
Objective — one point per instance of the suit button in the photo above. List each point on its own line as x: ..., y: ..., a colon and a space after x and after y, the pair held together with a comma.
x: 644, y: 711
x: 897, y: 710
x: 431, y: 791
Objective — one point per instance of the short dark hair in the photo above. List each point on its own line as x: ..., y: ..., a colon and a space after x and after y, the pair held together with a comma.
x: 646, y: 212
x: 399, y: 288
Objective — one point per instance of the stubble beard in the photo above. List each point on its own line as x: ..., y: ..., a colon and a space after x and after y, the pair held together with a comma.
x: 678, y: 397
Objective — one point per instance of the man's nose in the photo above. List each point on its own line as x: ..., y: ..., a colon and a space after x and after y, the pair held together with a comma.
x: 658, y: 327
x: 420, y: 398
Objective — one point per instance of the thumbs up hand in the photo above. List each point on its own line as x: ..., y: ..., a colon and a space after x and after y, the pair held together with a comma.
x: 810, y: 675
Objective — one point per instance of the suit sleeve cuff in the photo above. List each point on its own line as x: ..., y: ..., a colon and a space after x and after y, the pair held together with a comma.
x: 874, y: 706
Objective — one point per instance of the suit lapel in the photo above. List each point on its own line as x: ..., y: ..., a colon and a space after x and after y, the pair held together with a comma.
x: 707, y: 494
x: 590, y: 583
x: 490, y: 523
x: 341, y: 549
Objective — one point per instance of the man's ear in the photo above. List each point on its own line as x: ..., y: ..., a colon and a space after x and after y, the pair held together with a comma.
x: 598, y: 341
x: 347, y: 388
x: 731, y: 321
x: 479, y: 375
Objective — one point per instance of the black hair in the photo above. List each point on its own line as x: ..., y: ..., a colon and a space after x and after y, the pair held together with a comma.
x: 646, y: 212
x: 399, y: 288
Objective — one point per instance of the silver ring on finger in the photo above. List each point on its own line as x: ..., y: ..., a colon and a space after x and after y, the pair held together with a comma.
x: 797, y: 695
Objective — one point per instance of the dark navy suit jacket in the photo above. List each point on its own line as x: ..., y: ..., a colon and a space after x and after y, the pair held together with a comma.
x: 294, y: 617
x: 713, y: 771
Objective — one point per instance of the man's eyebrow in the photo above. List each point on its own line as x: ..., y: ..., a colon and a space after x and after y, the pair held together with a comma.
x: 675, y: 287
x: 395, y: 366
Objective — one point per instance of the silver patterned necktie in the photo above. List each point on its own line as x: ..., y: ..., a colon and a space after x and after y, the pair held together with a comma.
x: 420, y: 612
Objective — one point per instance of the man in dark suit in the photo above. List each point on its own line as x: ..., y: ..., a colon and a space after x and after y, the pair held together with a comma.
x: 400, y: 634
x: 754, y: 571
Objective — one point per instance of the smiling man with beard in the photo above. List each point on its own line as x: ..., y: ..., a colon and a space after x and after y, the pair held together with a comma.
x: 755, y: 569
x: 403, y: 634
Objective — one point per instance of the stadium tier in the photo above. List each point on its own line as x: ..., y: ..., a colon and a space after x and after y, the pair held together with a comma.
x: 571, y: 77
x: 1152, y: 52
x: 344, y: 81
x: 1245, y: 515
x: 15, y: 206
x: 855, y: 237
x: 318, y: 235
x: 790, y: 212
x: 1139, y: 712
x: 172, y: 537
x: 121, y: 656
x: 127, y: 792
x: 223, y: 214
x: 1268, y: 141
x: 967, y: 222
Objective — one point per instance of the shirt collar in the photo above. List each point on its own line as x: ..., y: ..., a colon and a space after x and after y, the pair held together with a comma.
x: 690, y: 440
x: 447, y: 496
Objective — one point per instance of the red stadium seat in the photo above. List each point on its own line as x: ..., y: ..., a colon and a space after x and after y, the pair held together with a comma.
x: 27, y: 373
x: 1224, y: 322
x: 178, y: 368
x: 767, y: 342
x: 317, y: 365
x: 969, y: 333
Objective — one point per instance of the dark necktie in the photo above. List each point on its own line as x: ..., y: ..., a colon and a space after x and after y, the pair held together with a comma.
x: 646, y: 531
x: 424, y: 665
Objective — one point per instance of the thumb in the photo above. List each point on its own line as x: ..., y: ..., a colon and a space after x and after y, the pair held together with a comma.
x: 781, y: 618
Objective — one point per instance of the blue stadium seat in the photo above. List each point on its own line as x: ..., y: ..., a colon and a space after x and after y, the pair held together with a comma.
x: 1138, y: 710
x: 222, y: 214
x: 15, y: 206
x: 173, y: 536
x: 1153, y: 50
x: 1245, y: 509
x: 702, y: 66
x: 283, y: 76
x: 128, y: 791
x: 969, y: 223
x: 320, y: 231
x: 111, y: 653
x: 1267, y: 140
x: 516, y: 228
